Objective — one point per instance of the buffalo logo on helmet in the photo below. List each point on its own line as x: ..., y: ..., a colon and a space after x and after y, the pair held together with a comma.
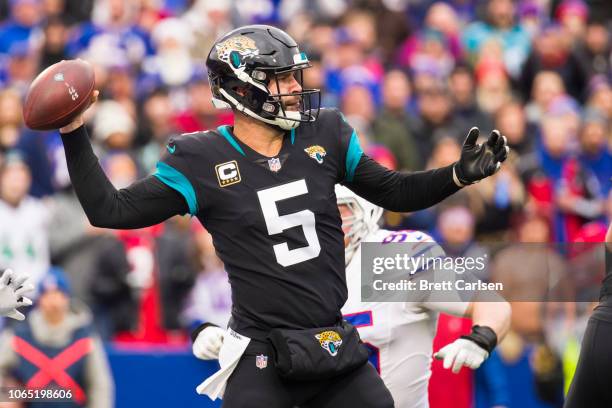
x: 330, y: 341
x: 234, y: 50
x: 316, y: 152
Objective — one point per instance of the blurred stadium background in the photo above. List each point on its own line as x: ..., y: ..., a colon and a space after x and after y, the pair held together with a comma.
x: 411, y: 75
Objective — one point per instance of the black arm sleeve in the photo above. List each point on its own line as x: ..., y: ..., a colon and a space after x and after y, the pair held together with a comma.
x: 401, y: 192
x: 144, y: 203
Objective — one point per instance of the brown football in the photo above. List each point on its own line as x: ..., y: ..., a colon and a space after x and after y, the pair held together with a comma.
x: 59, y: 94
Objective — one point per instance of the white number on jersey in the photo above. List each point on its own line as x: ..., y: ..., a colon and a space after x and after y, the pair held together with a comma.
x: 276, y: 223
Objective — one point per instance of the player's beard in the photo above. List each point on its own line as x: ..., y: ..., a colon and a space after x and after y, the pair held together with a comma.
x: 292, y: 104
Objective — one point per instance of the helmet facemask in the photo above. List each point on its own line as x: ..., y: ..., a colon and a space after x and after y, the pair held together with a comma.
x: 258, y: 100
x: 353, y: 226
x: 359, y: 223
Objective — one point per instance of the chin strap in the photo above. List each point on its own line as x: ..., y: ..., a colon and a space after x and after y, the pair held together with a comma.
x: 283, y: 123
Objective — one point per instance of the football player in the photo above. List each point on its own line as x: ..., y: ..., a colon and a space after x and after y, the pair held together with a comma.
x: 591, y: 386
x: 13, y: 286
x: 264, y: 189
x: 400, y: 335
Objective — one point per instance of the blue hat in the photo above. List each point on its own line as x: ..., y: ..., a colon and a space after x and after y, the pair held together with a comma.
x: 55, y: 279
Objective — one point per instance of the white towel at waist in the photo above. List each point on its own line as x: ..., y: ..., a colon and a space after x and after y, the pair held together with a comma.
x: 233, y: 348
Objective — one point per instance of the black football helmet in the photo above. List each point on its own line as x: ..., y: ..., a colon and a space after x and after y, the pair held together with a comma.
x: 250, y: 58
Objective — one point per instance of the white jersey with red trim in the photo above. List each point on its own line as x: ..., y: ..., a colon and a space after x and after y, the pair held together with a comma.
x: 399, y: 335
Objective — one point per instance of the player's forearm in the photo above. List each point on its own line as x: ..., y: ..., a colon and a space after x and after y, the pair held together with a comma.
x: 402, y: 192
x: 146, y: 202
x: 495, y: 315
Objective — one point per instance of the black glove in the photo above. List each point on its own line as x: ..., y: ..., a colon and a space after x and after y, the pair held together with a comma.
x: 479, y: 161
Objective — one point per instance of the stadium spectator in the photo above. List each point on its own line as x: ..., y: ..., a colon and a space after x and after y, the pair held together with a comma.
x: 24, y: 221
x: 201, y: 113
x: 511, y: 120
x: 122, y: 88
x: 391, y: 126
x: 359, y: 108
x: 54, y: 45
x: 547, y: 86
x: 113, y: 127
x: 156, y: 127
x: 493, y: 85
x: 111, y: 31
x: 499, y: 27
x: 210, y: 299
x: 58, y: 333
x: 595, y: 153
x: 435, y: 114
x: 553, y: 53
x: 10, y: 119
x: 600, y: 96
x: 21, y: 30
x: 573, y: 16
x: 172, y: 64
x: 463, y: 91
x: 594, y: 51
x: 456, y: 228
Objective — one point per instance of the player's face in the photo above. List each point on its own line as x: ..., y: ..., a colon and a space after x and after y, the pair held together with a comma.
x: 287, y: 83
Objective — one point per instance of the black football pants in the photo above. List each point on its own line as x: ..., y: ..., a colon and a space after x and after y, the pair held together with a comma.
x: 592, y: 384
x: 253, y: 387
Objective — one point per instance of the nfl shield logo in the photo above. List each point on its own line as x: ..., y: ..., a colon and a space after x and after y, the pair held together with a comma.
x: 261, y: 361
x: 274, y: 164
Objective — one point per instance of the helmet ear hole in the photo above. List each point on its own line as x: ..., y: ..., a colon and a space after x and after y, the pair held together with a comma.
x: 235, y: 59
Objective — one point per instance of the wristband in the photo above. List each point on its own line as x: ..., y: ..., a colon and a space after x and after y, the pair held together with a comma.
x: 484, y: 336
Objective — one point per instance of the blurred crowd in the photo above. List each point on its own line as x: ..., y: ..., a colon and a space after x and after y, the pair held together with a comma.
x: 412, y: 76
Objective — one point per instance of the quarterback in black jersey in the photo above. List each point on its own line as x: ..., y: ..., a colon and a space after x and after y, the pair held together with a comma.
x: 264, y: 189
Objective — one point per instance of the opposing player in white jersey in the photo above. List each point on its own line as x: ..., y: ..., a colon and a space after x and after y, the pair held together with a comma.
x: 400, y: 335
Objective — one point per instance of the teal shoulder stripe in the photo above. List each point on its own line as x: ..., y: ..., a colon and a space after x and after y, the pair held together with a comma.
x: 228, y: 136
x: 176, y: 180
x: 353, y: 155
x: 292, y: 135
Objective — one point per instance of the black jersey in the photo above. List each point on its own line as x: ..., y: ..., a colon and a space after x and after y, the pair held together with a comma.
x: 274, y: 220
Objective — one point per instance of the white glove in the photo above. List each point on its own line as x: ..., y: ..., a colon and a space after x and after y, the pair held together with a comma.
x: 12, y: 289
x: 462, y: 352
x: 208, y: 343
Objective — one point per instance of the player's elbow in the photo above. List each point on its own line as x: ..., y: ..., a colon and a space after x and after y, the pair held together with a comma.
x: 101, y: 220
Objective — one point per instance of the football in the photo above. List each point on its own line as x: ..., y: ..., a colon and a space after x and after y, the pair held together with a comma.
x: 59, y: 94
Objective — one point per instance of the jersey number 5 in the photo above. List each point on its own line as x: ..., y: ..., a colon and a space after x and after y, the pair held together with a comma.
x: 276, y: 223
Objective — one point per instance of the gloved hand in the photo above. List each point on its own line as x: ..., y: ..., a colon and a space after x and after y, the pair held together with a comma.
x: 208, y: 343
x: 462, y: 352
x: 12, y: 289
x: 479, y: 161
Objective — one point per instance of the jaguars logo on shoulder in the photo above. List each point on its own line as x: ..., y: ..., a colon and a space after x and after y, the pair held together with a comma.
x: 234, y: 50
x: 330, y: 341
x: 316, y: 152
